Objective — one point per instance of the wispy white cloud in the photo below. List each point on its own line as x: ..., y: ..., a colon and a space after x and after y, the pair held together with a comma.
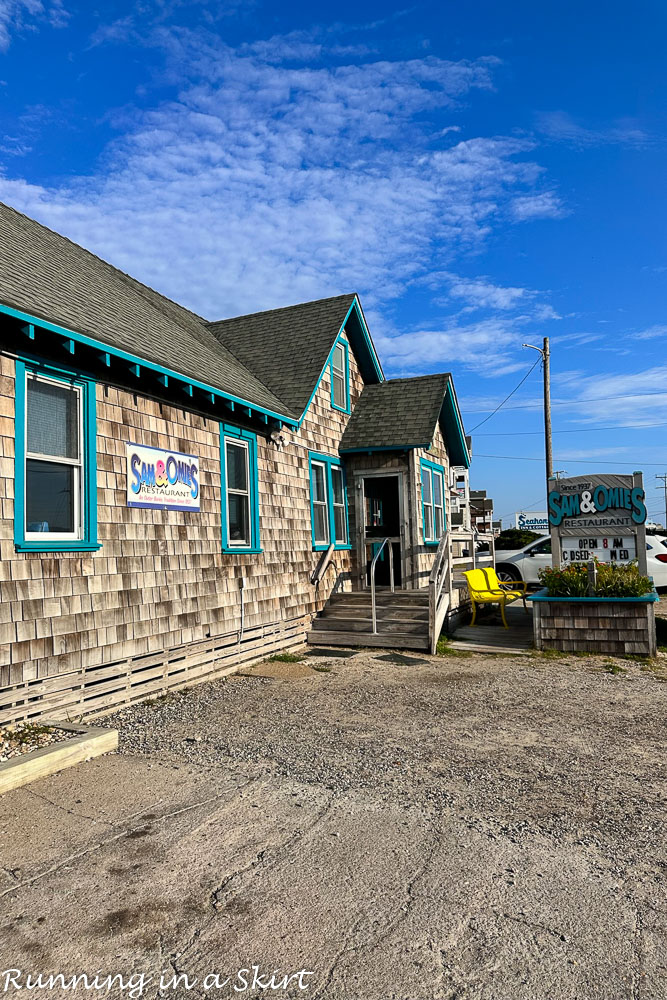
x: 486, y: 348
x: 482, y: 293
x: 17, y: 16
x: 630, y: 399
x: 540, y: 205
x: 274, y: 178
x: 651, y: 332
x: 562, y: 127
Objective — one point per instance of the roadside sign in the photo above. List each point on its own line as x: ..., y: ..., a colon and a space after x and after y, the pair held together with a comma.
x: 529, y: 520
x: 598, y: 517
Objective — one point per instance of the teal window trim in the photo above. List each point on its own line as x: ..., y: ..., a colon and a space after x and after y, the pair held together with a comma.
x: 250, y: 438
x: 432, y: 467
x: 328, y: 461
x: 341, y: 341
x: 87, y: 386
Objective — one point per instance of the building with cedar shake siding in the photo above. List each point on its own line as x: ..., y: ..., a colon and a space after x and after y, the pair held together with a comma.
x: 181, y: 496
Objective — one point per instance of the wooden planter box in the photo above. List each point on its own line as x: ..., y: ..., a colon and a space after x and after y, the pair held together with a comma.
x: 86, y: 742
x: 618, y: 625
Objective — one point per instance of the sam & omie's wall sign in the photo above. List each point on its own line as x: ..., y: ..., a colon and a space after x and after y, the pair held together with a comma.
x: 161, y: 479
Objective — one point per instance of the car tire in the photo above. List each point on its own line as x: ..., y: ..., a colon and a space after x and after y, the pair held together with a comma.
x: 507, y: 573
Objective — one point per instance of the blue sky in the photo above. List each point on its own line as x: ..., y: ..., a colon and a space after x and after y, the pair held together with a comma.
x: 483, y: 174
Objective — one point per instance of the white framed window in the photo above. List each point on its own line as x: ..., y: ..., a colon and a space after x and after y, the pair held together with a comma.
x: 318, y: 488
x: 339, y: 377
x: 433, y: 502
x: 237, y: 468
x: 339, y: 508
x: 53, y: 455
x: 328, y: 502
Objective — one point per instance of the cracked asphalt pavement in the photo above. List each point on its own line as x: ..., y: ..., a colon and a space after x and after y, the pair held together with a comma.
x: 487, y: 828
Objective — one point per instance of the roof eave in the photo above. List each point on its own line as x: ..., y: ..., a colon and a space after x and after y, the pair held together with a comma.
x: 108, y: 350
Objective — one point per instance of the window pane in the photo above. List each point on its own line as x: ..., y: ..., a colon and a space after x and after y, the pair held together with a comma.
x: 319, y: 488
x: 239, y: 518
x: 337, y: 481
x: 320, y: 525
x: 52, y: 423
x: 237, y: 467
x: 428, y: 523
x: 438, y: 522
x: 339, y: 359
x: 426, y: 486
x: 437, y: 489
x: 341, y: 526
x: 49, y: 496
x: 339, y: 390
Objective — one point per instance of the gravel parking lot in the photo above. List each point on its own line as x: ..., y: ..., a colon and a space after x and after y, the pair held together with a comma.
x: 479, y: 827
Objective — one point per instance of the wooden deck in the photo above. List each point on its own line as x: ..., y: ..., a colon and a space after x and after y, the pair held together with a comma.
x: 494, y: 638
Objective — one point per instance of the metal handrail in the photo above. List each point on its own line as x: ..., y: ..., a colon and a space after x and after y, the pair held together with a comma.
x: 391, y: 578
x: 322, y: 565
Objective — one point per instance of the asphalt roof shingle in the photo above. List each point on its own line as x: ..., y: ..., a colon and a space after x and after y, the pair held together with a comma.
x: 287, y: 348
x: 52, y: 278
x: 399, y: 413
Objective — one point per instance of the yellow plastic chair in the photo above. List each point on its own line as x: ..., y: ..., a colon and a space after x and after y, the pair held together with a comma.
x: 485, y: 588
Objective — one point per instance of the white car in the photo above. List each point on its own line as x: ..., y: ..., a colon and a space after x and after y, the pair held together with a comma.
x: 524, y: 564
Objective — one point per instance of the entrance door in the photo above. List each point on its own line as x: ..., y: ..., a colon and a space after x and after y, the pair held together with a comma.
x: 382, y: 518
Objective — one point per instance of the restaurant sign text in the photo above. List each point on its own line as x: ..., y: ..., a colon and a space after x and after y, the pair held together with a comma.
x: 162, y: 479
x: 596, y: 505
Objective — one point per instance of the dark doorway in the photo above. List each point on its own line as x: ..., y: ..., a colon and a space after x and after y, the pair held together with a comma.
x: 382, y: 519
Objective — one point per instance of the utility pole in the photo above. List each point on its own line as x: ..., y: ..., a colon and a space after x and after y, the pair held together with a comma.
x: 546, y: 365
x: 664, y: 485
x: 546, y: 369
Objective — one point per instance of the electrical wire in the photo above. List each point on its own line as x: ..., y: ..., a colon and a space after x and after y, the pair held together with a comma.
x: 500, y: 405
x: 570, y: 402
x: 575, y: 461
x: 573, y: 430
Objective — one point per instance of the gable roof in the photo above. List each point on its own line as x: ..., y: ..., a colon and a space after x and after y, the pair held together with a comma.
x: 52, y: 278
x: 403, y: 413
x: 288, y: 348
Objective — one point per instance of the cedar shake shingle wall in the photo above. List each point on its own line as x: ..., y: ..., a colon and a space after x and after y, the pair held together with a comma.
x: 160, y: 579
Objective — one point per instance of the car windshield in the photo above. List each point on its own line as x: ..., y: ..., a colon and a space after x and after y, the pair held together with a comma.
x: 542, y: 548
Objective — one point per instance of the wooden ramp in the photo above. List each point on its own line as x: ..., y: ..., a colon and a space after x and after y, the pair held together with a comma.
x: 494, y: 638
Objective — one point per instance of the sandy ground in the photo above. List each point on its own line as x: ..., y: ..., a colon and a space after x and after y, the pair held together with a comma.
x: 477, y: 827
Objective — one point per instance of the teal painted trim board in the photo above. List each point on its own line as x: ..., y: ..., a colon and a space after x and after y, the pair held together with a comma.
x: 452, y: 419
x: 542, y: 595
x: 340, y: 339
x: 328, y: 461
x: 238, y: 433
x: 355, y: 309
x: 88, y: 541
x: 384, y: 447
x: 116, y: 352
x: 426, y: 463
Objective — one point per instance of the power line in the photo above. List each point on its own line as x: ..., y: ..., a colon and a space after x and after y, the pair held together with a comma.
x: 536, y: 503
x: 572, y: 402
x: 573, y: 430
x: 500, y: 405
x: 576, y: 461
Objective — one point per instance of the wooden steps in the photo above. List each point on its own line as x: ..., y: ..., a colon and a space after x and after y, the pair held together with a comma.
x: 346, y: 620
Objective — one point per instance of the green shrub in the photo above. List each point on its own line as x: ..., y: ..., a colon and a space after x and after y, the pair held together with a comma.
x: 613, y: 580
x: 515, y: 538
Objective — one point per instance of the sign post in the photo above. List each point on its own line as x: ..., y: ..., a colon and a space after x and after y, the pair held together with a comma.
x: 598, y: 517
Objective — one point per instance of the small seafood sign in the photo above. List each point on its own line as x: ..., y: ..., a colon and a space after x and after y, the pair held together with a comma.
x: 162, y: 479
